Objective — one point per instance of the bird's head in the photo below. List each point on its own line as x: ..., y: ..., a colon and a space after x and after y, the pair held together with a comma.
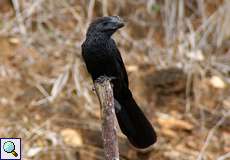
x: 105, y: 25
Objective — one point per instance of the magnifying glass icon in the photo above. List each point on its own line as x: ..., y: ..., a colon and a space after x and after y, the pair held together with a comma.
x: 9, y: 147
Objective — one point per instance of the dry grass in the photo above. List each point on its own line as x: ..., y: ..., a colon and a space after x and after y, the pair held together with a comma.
x: 45, y: 90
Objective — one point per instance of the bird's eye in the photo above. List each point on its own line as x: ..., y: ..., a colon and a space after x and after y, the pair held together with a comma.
x: 105, y: 23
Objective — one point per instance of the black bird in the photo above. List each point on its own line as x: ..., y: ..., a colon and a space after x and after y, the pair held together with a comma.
x: 102, y: 57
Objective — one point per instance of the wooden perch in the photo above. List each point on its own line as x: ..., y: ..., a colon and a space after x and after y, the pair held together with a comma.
x: 109, y: 136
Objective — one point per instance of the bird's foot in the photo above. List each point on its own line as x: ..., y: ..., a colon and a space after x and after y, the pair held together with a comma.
x: 101, y: 79
x: 117, y: 106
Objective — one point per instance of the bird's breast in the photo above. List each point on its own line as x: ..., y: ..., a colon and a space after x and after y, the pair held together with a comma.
x: 100, y: 64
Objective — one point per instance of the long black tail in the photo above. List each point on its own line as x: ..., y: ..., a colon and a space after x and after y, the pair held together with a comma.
x: 133, y: 122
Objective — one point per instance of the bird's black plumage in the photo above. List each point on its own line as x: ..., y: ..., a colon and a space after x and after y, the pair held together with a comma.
x: 102, y: 57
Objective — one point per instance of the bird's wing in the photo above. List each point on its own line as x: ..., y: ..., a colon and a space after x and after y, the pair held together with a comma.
x: 121, y: 63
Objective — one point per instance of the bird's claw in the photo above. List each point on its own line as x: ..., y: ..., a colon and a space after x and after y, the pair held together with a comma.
x: 104, y: 78
x: 117, y: 106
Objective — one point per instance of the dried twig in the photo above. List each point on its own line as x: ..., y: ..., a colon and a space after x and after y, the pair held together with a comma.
x: 19, y: 17
x: 209, y: 137
x: 225, y: 156
x: 105, y: 94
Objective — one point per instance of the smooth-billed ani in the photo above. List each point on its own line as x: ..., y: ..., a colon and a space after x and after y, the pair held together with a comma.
x: 102, y: 57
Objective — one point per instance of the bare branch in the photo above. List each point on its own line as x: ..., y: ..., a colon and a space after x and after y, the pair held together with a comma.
x: 209, y: 137
x: 105, y: 95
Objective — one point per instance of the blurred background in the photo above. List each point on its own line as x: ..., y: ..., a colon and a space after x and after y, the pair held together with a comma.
x: 177, y: 56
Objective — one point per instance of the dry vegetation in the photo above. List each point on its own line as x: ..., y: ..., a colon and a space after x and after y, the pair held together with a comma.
x: 177, y: 55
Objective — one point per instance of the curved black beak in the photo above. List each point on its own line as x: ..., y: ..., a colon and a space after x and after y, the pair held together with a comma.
x: 118, y: 21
